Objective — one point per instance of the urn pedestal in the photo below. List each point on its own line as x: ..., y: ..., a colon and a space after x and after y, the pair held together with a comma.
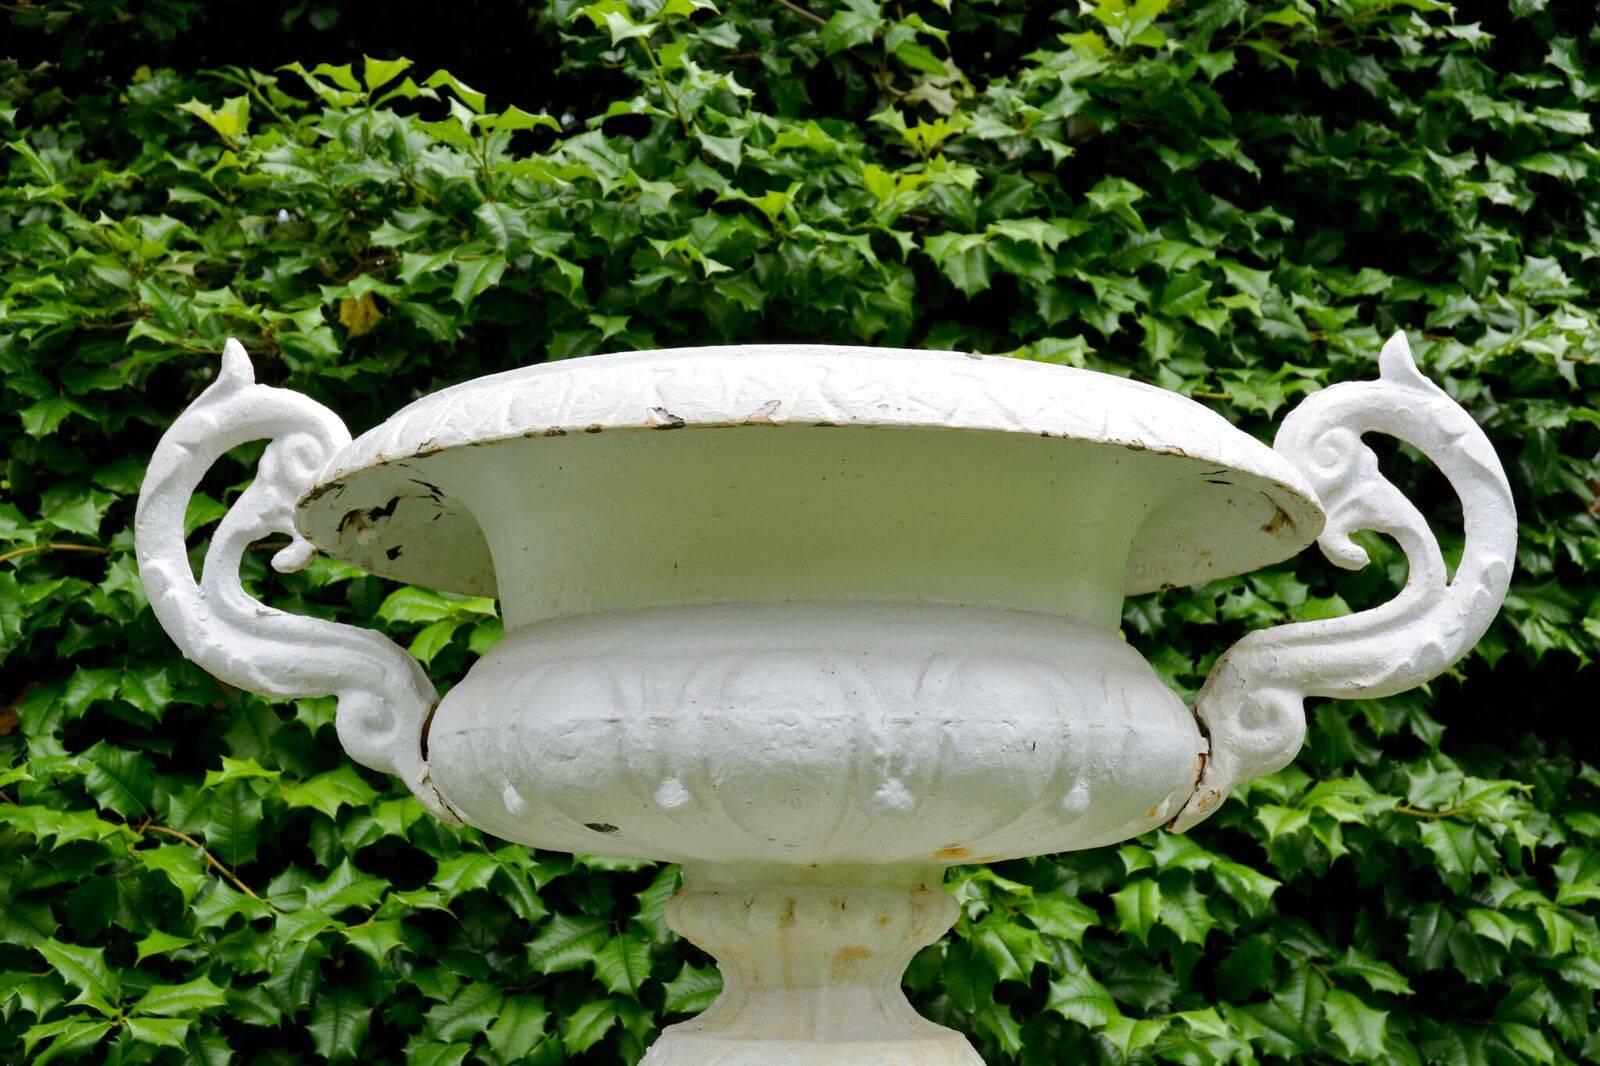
x: 817, y: 623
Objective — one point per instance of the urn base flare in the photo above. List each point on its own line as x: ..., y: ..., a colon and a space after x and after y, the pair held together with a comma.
x: 811, y: 961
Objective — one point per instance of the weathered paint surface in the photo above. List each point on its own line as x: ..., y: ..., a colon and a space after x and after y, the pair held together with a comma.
x: 814, y: 733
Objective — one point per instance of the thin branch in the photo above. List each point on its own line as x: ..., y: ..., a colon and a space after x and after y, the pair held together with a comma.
x: 1418, y: 812
x: 803, y: 13
x: 52, y: 546
x: 214, y: 862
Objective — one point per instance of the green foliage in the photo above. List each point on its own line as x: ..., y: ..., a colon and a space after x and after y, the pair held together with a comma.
x: 1234, y: 200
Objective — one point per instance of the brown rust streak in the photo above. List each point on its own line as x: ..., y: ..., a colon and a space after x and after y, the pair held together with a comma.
x: 1199, y: 775
x: 845, y: 959
x: 786, y: 922
x: 1279, y: 519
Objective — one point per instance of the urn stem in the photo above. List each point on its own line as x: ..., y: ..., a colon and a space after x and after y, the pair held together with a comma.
x: 811, y: 961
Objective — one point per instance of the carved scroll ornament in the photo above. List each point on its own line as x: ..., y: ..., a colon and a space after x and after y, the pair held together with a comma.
x: 1252, y: 703
x: 384, y: 696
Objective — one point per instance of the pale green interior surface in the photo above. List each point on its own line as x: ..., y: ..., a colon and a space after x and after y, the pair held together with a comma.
x: 604, y: 521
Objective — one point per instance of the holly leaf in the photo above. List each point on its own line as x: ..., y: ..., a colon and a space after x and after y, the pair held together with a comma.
x: 567, y: 942
x: 1361, y: 1030
x: 1138, y: 907
x: 623, y: 964
x: 693, y: 990
x: 177, y: 1000
x: 85, y: 969
x: 339, y: 1021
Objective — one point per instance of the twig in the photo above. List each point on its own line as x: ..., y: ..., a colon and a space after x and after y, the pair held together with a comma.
x: 1418, y: 812
x: 215, y: 863
x: 803, y: 13
x: 52, y: 546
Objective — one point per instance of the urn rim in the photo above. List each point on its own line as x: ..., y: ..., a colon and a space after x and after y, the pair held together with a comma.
x: 1250, y: 507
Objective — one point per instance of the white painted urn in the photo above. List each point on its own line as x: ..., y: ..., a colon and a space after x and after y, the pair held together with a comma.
x: 818, y: 622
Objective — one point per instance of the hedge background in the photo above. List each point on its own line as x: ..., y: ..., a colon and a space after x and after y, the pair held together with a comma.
x: 1235, y: 200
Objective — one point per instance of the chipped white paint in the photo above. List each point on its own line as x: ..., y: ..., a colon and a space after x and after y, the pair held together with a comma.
x: 852, y: 621
x: 1252, y: 702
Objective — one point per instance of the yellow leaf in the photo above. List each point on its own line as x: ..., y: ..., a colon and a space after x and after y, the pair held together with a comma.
x: 231, y: 120
x: 359, y: 316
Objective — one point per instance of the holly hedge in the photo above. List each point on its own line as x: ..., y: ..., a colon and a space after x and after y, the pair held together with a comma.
x: 1231, y: 199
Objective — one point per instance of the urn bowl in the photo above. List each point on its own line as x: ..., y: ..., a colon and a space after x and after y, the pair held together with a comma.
x: 810, y: 605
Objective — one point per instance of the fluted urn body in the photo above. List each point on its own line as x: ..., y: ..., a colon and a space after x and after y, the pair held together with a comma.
x: 815, y: 622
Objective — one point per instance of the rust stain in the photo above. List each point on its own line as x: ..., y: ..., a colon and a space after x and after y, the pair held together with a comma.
x: 845, y: 960
x: 1199, y: 774
x: 320, y: 491
x: 954, y: 851
x: 852, y: 953
x: 785, y: 951
x: 1280, y: 518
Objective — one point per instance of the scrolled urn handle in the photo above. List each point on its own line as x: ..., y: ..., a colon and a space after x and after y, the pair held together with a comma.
x: 384, y: 696
x: 1252, y: 703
